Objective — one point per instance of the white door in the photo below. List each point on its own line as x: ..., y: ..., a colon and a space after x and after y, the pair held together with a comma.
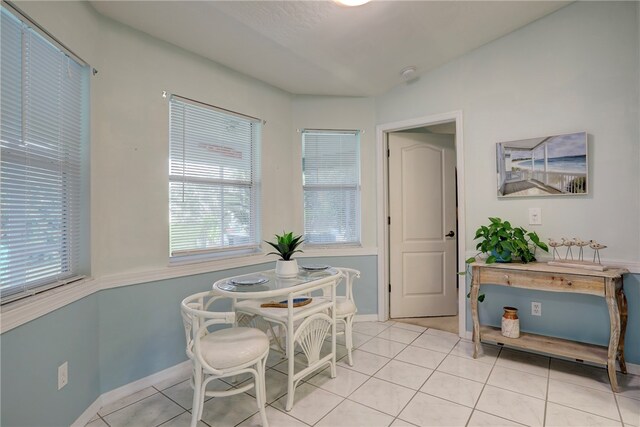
x: 422, y: 207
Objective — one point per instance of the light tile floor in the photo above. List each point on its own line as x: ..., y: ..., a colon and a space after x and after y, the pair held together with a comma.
x: 406, y: 375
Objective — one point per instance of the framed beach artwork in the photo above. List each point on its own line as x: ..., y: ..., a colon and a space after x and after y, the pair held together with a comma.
x: 548, y: 166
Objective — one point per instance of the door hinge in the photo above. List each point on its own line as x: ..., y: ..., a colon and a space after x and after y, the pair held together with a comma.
x: 389, y: 287
x: 388, y: 152
x: 389, y: 220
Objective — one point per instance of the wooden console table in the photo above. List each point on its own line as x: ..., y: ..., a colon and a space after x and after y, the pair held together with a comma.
x: 540, y: 276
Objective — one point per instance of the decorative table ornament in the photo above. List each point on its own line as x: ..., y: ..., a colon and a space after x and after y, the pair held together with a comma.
x: 555, y: 245
x: 510, y: 323
x: 581, y: 244
x: 569, y: 262
x: 596, y: 248
x: 568, y: 243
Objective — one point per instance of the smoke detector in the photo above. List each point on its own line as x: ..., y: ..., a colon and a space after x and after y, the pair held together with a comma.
x: 408, y: 73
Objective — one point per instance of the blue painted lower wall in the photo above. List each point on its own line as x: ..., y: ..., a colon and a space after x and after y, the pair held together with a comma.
x: 572, y: 316
x: 112, y: 338
x: 31, y: 355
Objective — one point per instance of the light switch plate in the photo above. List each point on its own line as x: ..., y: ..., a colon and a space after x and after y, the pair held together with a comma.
x: 63, y: 375
x: 535, y: 216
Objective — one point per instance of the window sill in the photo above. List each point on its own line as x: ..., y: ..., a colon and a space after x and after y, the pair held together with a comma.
x: 336, y: 250
x: 27, y: 309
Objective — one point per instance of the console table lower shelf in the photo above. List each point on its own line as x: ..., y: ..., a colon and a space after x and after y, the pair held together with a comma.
x: 539, y: 343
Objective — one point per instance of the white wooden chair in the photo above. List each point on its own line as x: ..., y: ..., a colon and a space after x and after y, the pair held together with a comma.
x: 222, y: 353
x: 305, y: 326
x: 346, y: 308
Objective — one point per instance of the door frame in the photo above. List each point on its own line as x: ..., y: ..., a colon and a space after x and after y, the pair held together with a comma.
x: 382, y: 197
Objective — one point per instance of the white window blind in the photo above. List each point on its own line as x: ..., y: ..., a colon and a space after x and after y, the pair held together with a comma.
x: 43, y: 131
x: 331, y: 184
x: 214, y: 180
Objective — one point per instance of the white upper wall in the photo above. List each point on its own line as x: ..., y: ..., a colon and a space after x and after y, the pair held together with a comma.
x: 574, y: 70
x: 129, y: 138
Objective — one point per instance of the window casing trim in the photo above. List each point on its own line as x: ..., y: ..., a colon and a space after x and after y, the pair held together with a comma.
x: 248, y: 182
x: 66, y: 165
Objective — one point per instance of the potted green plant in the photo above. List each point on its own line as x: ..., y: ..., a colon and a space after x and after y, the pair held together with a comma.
x: 286, y: 245
x: 504, y: 243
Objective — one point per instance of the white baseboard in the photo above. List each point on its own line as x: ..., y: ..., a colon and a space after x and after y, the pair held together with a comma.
x: 181, y: 370
x: 366, y: 318
x: 177, y: 372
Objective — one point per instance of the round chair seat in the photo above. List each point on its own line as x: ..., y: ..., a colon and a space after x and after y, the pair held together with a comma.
x: 233, y: 347
x: 344, y: 306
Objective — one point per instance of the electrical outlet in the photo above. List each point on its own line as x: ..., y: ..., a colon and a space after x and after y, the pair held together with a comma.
x: 535, y: 216
x: 63, y: 375
x: 536, y: 308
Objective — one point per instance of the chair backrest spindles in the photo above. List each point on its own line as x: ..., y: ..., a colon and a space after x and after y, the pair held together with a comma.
x: 348, y: 275
x: 197, y: 318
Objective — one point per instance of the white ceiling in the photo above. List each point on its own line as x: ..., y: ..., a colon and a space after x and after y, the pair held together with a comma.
x: 321, y: 48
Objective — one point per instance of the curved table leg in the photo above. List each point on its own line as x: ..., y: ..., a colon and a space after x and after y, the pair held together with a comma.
x: 475, y: 290
x: 614, y: 336
x: 621, y: 299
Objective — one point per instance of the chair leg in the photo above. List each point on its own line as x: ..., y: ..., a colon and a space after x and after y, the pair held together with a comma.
x: 261, y: 390
x: 198, y: 398
x: 334, y: 369
x: 291, y: 372
x: 348, y: 335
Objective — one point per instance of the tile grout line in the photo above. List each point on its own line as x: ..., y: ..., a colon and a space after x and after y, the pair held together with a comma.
x: 615, y: 397
x: 288, y: 413
x: 367, y: 380
x: 407, y: 345
x: 172, y: 418
x: 186, y: 409
x: 132, y: 403
x: 381, y: 379
x: 425, y: 381
x: 587, y: 412
x: 103, y: 420
x: 546, y: 396
x: 485, y: 384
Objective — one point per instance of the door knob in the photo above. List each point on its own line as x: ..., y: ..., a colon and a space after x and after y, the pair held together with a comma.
x: 450, y: 234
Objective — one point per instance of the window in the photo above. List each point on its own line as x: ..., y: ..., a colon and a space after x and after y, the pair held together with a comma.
x: 331, y: 184
x: 214, y: 184
x: 43, y: 147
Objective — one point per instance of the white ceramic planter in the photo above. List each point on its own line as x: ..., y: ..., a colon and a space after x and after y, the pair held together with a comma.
x: 286, y: 269
x: 510, y: 323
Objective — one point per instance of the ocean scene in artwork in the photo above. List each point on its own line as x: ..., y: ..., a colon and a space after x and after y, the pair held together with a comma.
x: 559, y: 164
x: 543, y: 166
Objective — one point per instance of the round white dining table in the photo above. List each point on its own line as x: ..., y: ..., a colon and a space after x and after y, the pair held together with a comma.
x: 306, y: 326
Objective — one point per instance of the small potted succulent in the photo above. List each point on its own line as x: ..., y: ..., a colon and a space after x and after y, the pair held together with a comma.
x: 285, y: 246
